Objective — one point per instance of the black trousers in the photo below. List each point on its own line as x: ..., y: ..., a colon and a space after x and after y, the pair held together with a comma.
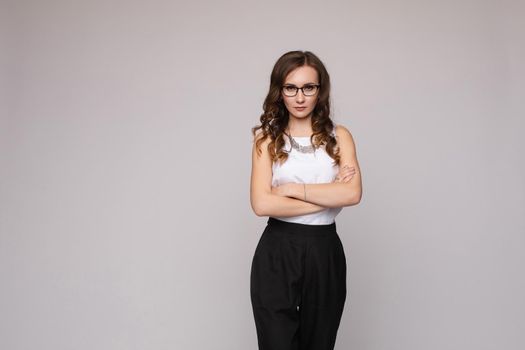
x: 298, y: 286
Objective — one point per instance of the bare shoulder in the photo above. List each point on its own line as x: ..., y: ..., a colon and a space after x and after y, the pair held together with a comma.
x: 342, y: 134
x: 263, y: 146
x: 258, y: 135
x: 260, y: 150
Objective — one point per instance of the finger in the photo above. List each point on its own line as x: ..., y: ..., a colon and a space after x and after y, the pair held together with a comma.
x: 349, y: 172
x: 346, y: 172
x: 348, y: 178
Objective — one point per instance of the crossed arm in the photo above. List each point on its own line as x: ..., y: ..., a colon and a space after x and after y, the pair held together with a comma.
x: 289, y: 199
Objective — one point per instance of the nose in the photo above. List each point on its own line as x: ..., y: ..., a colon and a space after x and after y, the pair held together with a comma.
x: 300, y: 96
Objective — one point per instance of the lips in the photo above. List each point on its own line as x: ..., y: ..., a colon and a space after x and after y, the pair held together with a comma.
x: 300, y: 108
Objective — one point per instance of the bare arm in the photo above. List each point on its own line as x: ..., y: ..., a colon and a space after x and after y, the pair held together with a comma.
x: 262, y: 200
x: 332, y: 195
x: 328, y: 195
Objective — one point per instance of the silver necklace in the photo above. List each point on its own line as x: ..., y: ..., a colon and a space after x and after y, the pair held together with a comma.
x: 300, y: 148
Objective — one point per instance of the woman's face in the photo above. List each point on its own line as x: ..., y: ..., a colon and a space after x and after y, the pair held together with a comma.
x: 301, y: 77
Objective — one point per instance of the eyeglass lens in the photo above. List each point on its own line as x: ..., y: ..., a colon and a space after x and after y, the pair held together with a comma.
x: 291, y: 90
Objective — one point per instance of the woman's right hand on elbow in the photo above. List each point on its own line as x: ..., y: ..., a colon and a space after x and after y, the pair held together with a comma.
x: 345, y: 174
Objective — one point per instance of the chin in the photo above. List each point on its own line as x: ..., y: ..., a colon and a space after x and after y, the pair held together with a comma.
x: 302, y: 114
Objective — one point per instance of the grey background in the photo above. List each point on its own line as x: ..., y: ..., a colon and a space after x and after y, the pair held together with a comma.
x: 125, y: 152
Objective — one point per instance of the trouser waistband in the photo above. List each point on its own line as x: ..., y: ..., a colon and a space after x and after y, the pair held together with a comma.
x: 302, y: 229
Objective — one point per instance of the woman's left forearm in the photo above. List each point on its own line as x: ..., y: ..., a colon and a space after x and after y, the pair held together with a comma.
x: 328, y: 195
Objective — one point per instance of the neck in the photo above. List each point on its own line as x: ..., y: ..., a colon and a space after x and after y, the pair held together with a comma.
x: 300, y: 127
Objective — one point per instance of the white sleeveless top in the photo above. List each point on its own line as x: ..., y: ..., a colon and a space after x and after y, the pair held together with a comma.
x: 317, y: 167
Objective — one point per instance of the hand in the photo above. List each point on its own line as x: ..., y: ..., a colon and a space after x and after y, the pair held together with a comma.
x: 284, y: 190
x: 345, y: 174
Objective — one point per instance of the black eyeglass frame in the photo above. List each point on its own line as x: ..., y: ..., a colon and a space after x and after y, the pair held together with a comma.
x: 300, y: 88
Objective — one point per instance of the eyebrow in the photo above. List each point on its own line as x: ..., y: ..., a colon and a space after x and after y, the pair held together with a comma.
x: 309, y: 83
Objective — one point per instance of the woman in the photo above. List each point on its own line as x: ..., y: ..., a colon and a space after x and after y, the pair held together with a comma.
x: 304, y: 170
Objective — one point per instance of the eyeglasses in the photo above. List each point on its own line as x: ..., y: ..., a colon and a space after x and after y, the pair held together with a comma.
x: 308, y: 90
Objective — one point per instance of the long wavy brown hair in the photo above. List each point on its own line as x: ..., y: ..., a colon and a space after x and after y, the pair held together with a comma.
x: 275, y: 117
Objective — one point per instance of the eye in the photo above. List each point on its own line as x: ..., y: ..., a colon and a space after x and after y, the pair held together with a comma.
x: 289, y: 88
x: 309, y: 87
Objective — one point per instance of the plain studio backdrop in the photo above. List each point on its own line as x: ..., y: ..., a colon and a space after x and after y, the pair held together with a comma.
x: 125, y: 159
